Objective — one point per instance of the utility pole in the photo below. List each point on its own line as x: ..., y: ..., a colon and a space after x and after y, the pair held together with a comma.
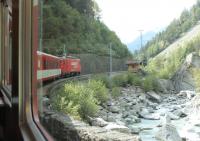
x: 110, y: 59
x: 141, y: 37
x: 65, y: 51
x: 109, y: 104
x: 144, y: 59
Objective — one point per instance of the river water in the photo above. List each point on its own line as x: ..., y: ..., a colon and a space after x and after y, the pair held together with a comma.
x: 185, y: 126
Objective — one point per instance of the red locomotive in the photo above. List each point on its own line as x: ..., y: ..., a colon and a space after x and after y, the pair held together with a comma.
x: 51, y: 67
x: 70, y: 66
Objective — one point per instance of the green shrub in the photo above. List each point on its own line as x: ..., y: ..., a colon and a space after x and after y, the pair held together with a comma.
x: 150, y: 83
x: 119, y: 80
x: 130, y: 78
x: 88, y: 107
x: 104, y: 78
x: 116, y: 92
x: 147, y: 84
x: 100, y: 91
x: 78, y: 99
x: 88, y: 104
x: 196, y: 76
x: 67, y: 106
x: 134, y: 79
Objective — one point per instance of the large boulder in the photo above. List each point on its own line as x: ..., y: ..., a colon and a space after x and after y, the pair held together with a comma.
x: 183, y: 78
x: 167, y: 132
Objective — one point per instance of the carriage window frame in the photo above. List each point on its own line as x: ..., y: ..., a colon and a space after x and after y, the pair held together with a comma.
x: 29, y: 122
x: 5, y: 46
x: 1, y: 44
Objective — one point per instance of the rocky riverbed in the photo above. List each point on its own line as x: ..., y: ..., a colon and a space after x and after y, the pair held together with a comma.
x: 134, y: 116
x: 155, y: 116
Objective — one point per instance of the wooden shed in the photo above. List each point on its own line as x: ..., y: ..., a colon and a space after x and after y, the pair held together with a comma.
x: 133, y: 65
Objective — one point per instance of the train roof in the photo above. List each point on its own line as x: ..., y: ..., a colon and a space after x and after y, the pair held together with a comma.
x: 67, y: 57
x: 72, y: 57
x: 42, y: 53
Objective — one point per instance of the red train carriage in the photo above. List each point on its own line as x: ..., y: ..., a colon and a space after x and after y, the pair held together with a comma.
x: 51, y: 67
x: 48, y: 66
x: 70, y: 66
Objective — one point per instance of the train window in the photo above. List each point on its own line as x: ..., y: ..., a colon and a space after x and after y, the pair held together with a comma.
x: 102, y: 74
x: 67, y: 49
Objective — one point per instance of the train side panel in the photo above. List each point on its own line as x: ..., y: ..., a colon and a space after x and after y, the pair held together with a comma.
x: 48, y: 67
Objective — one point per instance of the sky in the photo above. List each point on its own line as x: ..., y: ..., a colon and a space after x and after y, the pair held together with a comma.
x: 126, y: 17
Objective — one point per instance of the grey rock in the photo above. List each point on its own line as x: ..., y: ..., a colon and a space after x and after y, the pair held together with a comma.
x: 151, y: 116
x: 146, y: 115
x: 130, y: 121
x: 154, y: 97
x: 187, y: 93
x: 173, y: 117
x: 134, y: 129
x: 151, y: 104
x: 142, y: 98
x: 197, y: 124
x: 125, y: 114
x: 114, y: 109
x: 144, y: 111
x: 137, y: 120
x: 46, y: 101
x: 119, y: 122
x: 128, y: 99
x: 133, y: 112
x: 115, y: 127
x: 179, y: 113
x: 134, y: 102
x: 146, y: 128
x: 139, y: 90
x: 110, y: 118
x: 98, y: 122
x: 166, y: 119
x: 168, y: 133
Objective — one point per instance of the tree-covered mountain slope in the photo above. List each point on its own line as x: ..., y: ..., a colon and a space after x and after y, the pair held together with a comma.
x: 76, y: 26
x: 179, y: 43
x: 167, y: 62
x: 167, y: 51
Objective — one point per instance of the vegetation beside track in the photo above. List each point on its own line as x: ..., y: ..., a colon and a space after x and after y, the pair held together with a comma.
x: 81, y: 99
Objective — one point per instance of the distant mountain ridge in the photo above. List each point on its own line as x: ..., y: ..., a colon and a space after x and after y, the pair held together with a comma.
x: 136, y: 44
x: 175, y: 30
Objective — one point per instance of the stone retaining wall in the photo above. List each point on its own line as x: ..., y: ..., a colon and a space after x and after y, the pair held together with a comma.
x: 63, y: 128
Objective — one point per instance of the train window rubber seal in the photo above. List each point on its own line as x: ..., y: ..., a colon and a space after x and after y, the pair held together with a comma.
x: 6, y: 95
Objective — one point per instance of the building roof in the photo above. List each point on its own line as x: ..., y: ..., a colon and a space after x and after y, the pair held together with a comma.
x: 129, y: 62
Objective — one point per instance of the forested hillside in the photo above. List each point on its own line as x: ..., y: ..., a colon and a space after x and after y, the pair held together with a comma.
x: 76, y: 26
x: 176, y: 29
